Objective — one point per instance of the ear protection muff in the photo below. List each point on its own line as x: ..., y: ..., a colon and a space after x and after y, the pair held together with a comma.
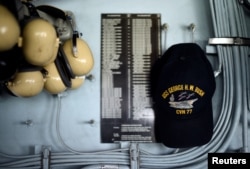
x: 65, y: 65
x: 82, y: 60
x: 9, y: 29
x: 9, y: 34
x: 54, y: 83
x: 63, y: 61
x: 39, y: 40
x: 78, y: 55
x: 27, y: 82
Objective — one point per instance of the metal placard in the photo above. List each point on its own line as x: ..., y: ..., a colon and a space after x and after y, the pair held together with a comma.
x: 130, y: 44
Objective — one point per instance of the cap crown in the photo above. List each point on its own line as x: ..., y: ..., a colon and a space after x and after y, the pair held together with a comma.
x: 182, y: 87
x: 186, y: 82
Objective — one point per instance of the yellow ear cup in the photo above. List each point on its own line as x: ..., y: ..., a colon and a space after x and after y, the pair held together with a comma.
x: 9, y: 29
x: 54, y: 83
x: 26, y: 84
x: 81, y: 61
x: 39, y: 42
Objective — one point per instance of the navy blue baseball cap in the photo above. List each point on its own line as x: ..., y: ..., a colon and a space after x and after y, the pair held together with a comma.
x: 183, y: 88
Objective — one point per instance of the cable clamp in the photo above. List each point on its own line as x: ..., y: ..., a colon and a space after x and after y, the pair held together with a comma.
x: 46, y: 158
x: 134, y: 156
x: 230, y: 41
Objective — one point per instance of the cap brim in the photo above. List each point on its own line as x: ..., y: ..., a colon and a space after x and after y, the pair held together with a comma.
x: 184, y: 133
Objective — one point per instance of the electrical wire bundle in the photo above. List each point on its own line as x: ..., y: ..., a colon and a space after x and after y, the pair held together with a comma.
x: 21, y: 162
x: 117, y: 157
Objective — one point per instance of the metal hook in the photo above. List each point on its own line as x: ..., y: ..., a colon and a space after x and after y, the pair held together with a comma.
x: 165, y: 29
x: 28, y: 123
x: 192, y: 28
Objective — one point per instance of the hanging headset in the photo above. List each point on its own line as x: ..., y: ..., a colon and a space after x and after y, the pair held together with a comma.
x: 74, y: 56
x: 65, y: 64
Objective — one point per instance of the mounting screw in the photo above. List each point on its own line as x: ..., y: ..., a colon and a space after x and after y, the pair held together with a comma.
x: 241, y: 1
x: 28, y: 123
x: 91, y: 122
x: 192, y: 27
x: 165, y: 27
x: 90, y: 77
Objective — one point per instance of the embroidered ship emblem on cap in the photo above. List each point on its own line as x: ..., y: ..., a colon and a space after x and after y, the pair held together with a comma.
x: 185, y: 104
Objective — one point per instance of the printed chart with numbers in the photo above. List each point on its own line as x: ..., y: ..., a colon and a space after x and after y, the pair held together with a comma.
x: 130, y: 44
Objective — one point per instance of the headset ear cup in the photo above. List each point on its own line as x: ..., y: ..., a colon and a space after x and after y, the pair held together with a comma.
x: 53, y: 82
x: 39, y: 42
x: 27, y: 82
x: 10, y: 29
x: 80, y: 56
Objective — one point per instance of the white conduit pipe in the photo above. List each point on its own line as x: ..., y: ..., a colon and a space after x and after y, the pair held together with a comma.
x: 246, y: 110
x: 29, y: 162
x: 33, y: 161
x: 241, y: 31
x: 223, y: 25
x: 246, y: 76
